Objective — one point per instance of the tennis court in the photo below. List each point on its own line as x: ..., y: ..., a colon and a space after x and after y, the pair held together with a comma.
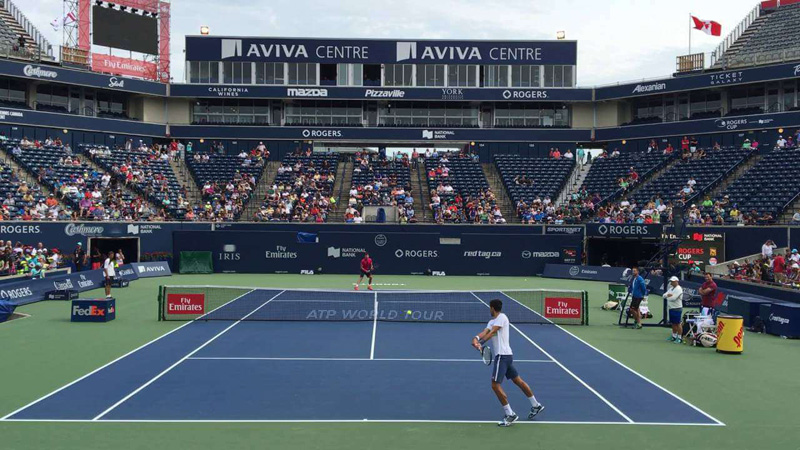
x: 340, y: 356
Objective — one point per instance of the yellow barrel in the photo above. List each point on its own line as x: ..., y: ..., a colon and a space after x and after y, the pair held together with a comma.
x: 730, y: 334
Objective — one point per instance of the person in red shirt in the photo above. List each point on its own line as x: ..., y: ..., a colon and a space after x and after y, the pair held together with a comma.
x: 366, y: 270
x: 708, y: 293
x: 779, y: 268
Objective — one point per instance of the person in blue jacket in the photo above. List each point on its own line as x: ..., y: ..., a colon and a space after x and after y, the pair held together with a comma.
x: 638, y: 291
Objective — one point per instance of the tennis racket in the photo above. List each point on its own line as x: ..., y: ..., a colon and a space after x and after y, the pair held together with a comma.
x: 486, y: 354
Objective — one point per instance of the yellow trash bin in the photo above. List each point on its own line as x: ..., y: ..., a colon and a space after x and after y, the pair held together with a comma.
x: 730, y: 334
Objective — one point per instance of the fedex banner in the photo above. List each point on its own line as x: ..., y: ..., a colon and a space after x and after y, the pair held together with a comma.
x: 123, y: 66
x: 379, y: 51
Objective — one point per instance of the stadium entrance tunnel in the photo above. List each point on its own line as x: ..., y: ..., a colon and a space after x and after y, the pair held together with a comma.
x: 129, y: 245
x: 620, y: 252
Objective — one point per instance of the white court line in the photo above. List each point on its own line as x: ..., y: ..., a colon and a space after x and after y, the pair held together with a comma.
x: 374, y: 327
x: 709, y: 416
x: 6, y: 417
x: 164, y: 372
x: 365, y: 421
x: 591, y: 389
x: 257, y: 358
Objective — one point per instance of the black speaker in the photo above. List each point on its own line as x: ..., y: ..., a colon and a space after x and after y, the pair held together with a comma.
x: 677, y: 219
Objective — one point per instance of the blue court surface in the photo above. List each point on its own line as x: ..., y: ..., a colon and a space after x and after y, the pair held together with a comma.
x: 372, y: 370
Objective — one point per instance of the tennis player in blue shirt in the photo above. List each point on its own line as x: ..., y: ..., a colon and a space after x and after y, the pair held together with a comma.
x: 638, y: 291
x: 497, y: 331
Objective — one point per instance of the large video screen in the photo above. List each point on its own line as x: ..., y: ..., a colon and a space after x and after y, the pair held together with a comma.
x: 704, y: 248
x: 124, y: 30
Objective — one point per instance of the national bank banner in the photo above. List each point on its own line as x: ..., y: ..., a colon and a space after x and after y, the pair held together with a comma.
x: 414, y: 253
x: 375, y: 134
x: 379, y: 51
x: 377, y: 93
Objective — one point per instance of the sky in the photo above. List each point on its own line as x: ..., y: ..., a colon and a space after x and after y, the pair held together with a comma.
x: 618, y: 40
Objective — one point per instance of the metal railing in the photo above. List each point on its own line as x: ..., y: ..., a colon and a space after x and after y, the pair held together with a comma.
x: 757, y: 59
x: 41, y: 42
x: 735, y: 34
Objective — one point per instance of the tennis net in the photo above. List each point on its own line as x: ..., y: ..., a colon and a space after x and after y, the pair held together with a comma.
x: 244, y: 303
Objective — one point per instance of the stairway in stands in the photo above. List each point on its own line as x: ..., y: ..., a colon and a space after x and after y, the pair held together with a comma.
x: 672, y: 163
x: 424, y: 213
x: 496, y: 184
x: 341, y: 189
x: 266, y: 180
x: 574, y: 183
x: 744, y: 167
x: 185, y: 178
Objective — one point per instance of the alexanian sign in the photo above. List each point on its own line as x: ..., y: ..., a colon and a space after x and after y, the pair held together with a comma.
x: 204, y: 48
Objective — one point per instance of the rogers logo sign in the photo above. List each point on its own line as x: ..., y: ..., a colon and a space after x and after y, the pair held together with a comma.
x: 186, y: 303
x: 38, y: 72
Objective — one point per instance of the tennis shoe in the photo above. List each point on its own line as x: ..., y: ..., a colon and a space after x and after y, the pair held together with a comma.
x: 355, y: 287
x: 678, y: 341
x: 508, y: 420
x: 671, y: 338
x: 535, y: 411
x: 638, y: 326
x: 369, y: 287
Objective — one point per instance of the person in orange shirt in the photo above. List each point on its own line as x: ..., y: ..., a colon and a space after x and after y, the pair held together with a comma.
x: 51, y: 201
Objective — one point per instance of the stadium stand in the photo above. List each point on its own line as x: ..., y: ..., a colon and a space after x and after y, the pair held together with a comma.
x: 302, y: 190
x: 760, y: 195
x: 771, y: 38
x: 88, y: 192
x: 226, y: 182
x: 19, y: 38
x: 605, y: 172
x: 688, y: 179
x: 533, y: 183
x: 17, y: 196
x: 459, y: 191
x: 380, y: 181
x: 147, y: 171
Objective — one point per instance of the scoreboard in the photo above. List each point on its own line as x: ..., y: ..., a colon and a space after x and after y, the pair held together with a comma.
x: 703, y: 248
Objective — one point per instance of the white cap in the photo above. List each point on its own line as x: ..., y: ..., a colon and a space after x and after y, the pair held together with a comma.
x: 674, y: 279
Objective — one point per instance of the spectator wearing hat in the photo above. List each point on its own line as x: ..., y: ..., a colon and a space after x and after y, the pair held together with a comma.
x: 674, y: 298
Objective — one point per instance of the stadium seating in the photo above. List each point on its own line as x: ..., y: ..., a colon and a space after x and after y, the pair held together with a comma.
x: 9, y: 189
x: 548, y: 176
x: 766, y: 188
x: 604, y: 173
x: 302, y: 190
x: 146, y: 171
x: 704, y: 171
x: 463, y: 192
x: 374, y: 180
x: 219, y: 178
x: 776, y: 32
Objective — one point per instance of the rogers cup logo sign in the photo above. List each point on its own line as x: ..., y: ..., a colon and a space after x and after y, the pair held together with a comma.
x: 186, y: 303
x: 562, y: 308
x: 38, y: 72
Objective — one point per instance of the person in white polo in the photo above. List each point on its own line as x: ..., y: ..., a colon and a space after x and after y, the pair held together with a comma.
x: 109, y: 273
x: 674, y: 297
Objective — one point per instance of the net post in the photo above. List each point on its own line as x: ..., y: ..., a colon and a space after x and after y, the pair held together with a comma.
x: 585, y: 295
x: 161, y: 303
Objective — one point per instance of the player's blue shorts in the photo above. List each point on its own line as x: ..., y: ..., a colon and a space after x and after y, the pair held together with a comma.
x: 675, y: 316
x: 503, y: 367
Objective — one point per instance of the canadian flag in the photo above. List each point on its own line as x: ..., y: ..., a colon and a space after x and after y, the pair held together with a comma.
x: 708, y: 26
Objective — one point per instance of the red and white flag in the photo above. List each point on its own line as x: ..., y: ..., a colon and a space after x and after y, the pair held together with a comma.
x: 707, y: 26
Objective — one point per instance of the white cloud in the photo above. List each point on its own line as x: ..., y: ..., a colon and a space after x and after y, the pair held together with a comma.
x: 618, y: 40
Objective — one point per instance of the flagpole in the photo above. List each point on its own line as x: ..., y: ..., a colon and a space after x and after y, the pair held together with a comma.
x: 690, y: 32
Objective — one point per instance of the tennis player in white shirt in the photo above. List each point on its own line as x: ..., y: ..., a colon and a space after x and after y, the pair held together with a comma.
x: 503, y: 366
